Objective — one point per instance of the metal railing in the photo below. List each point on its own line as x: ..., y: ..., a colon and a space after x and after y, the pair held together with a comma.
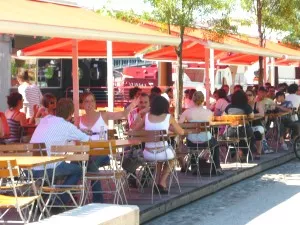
x: 120, y: 63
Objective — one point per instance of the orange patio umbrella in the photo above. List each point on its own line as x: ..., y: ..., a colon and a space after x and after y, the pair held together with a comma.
x: 38, y: 18
x: 62, y: 48
x: 195, y: 52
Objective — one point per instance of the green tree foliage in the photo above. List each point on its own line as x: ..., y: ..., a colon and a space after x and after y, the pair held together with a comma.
x: 185, y: 14
x: 279, y: 15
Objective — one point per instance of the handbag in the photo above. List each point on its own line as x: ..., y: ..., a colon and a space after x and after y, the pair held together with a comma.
x: 5, y: 127
x: 294, y: 117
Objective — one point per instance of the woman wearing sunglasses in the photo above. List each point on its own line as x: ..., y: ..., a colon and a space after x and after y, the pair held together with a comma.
x: 48, y: 106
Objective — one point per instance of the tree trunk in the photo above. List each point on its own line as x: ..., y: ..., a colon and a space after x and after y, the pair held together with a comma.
x: 179, y: 81
x: 261, y: 42
x: 261, y: 71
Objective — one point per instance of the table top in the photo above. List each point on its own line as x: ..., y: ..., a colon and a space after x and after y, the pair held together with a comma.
x: 218, y: 123
x: 280, y: 114
x: 33, y: 161
x: 124, y: 143
x: 129, y: 142
x: 256, y: 117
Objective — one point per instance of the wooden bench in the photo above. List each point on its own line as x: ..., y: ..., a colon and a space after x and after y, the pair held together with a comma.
x: 96, y: 214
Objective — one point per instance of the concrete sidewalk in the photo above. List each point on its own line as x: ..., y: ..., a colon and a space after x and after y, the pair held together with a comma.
x: 193, y: 189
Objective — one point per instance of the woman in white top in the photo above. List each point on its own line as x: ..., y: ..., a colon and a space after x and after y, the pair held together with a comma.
x: 200, y: 114
x: 221, y: 103
x: 23, y: 79
x: 160, y: 119
x: 95, y: 123
x: 31, y: 94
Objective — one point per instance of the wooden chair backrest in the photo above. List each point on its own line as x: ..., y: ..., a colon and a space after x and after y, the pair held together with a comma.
x: 112, y: 134
x: 195, y: 127
x: 103, y: 148
x: 19, y: 149
x: 16, y: 147
x: 234, y: 120
x: 5, y: 166
x: 149, y: 135
x: 71, y: 152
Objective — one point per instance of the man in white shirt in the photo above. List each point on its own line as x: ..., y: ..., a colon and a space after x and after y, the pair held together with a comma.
x: 293, y: 97
x: 57, y: 130
x: 168, y: 94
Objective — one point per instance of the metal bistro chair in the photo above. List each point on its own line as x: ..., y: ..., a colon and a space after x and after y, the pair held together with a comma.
x: 114, y: 173
x: 24, y: 205
x: 148, y: 166
x: 72, y: 154
x: 238, y: 125
x: 17, y: 149
x: 199, y: 151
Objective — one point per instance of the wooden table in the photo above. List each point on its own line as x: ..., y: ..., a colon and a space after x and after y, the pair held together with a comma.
x: 256, y: 117
x: 276, y: 118
x: 219, y: 123
x: 28, y: 162
x: 276, y: 115
x: 128, y: 143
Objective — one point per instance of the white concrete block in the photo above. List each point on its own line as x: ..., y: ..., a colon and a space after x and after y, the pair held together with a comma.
x: 96, y: 214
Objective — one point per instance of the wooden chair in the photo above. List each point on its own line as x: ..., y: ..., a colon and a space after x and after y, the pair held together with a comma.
x: 112, y: 134
x: 72, y: 154
x: 199, y: 151
x: 155, y: 136
x: 16, y: 149
x: 114, y: 174
x: 237, y: 123
x: 23, y: 205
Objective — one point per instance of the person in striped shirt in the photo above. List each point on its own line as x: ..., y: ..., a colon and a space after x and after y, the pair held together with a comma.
x: 31, y: 94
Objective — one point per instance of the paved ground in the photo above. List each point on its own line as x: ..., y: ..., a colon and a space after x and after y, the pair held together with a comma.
x: 272, y: 197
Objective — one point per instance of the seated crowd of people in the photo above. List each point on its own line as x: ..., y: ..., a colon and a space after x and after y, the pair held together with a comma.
x: 148, y: 112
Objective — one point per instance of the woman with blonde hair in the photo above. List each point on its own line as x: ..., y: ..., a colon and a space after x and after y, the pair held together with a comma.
x: 48, y: 105
x: 95, y: 124
x: 199, y: 114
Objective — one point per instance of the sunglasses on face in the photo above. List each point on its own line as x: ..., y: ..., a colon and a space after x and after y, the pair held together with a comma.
x: 249, y: 95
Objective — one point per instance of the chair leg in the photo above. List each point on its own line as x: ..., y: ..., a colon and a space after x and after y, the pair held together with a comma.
x: 154, y: 185
x: 199, y: 177
x: 123, y: 192
x: 227, y: 153
x: 173, y: 174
